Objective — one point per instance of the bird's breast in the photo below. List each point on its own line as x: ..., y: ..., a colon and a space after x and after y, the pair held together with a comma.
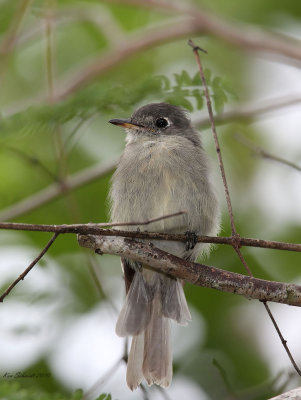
x: 147, y: 185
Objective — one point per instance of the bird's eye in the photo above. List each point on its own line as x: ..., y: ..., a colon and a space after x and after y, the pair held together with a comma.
x: 162, y: 123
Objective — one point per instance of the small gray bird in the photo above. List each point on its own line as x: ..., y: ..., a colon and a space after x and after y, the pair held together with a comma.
x: 162, y: 170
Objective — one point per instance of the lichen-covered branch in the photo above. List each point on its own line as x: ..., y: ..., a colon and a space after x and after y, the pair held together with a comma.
x: 293, y: 394
x: 197, y: 274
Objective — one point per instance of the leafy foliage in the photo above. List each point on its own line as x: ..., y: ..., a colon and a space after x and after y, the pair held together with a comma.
x: 13, y: 391
x: 188, y: 88
x: 104, y: 98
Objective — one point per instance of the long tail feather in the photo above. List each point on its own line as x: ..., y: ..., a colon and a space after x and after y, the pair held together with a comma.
x: 157, y: 362
x: 152, y: 301
x: 136, y: 311
x: 174, y: 303
x: 134, y: 374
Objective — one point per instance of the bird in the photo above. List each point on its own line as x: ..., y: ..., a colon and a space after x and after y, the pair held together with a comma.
x: 162, y: 170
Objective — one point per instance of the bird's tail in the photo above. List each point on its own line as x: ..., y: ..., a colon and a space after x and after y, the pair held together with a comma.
x: 152, y: 300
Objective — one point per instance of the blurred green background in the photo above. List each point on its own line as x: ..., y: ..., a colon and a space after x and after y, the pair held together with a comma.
x: 57, y: 327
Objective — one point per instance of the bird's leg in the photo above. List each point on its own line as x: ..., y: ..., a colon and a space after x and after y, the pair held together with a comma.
x: 191, y: 240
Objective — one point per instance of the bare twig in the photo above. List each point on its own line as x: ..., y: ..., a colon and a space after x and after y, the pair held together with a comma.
x: 57, y: 189
x: 9, y: 40
x: 197, y: 274
x: 100, y: 16
x: 224, y: 377
x: 251, y: 111
x: 235, y: 235
x: 195, y: 22
x: 217, y: 146
x: 32, y: 160
x: 283, y: 341
x: 263, y: 153
x: 96, y: 386
x: 238, y: 34
x: 95, y: 229
x: 147, y: 222
x: 29, y: 268
x: 144, y: 392
x: 163, y: 392
x: 49, y: 51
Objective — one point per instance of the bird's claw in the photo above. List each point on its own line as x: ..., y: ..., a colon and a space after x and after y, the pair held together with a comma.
x: 191, y: 240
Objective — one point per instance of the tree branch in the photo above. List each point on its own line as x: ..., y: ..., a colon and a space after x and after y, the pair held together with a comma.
x: 240, y: 34
x: 293, y: 394
x: 263, y: 153
x: 57, y: 189
x: 95, y: 229
x: 195, y: 22
x: 251, y: 111
x: 197, y: 274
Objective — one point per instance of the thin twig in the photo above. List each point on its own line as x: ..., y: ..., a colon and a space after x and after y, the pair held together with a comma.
x: 251, y: 111
x: 108, y: 374
x: 29, y: 268
x: 95, y: 229
x: 100, y: 16
x: 9, y: 40
x: 94, y: 271
x: 49, y: 51
x: 263, y: 153
x: 55, y: 190
x: 224, y: 376
x: 147, y: 222
x: 163, y: 392
x: 144, y: 391
x: 217, y: 146
x: 236, y: 247
x: 96, y: 386
x: 81, y: 122
x: 32, y: 160
x: 283, y: 341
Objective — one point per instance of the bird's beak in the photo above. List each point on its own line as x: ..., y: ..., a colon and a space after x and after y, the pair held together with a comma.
x: 125, y: 123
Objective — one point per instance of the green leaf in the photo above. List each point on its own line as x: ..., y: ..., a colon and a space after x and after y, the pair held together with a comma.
x: 196, y: 93
x: 178, y: 79
x: 164, y: 82
x: 78, y: 394
x: 229, y: 89
x: 196, y: 80
x: 104, y: 396
x: 185, y: 78
x: 219, y: 99
x: 216, y: 83
x: 179, y: 99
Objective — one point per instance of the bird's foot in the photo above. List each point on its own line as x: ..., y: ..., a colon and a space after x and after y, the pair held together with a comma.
x: 191, y: 240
